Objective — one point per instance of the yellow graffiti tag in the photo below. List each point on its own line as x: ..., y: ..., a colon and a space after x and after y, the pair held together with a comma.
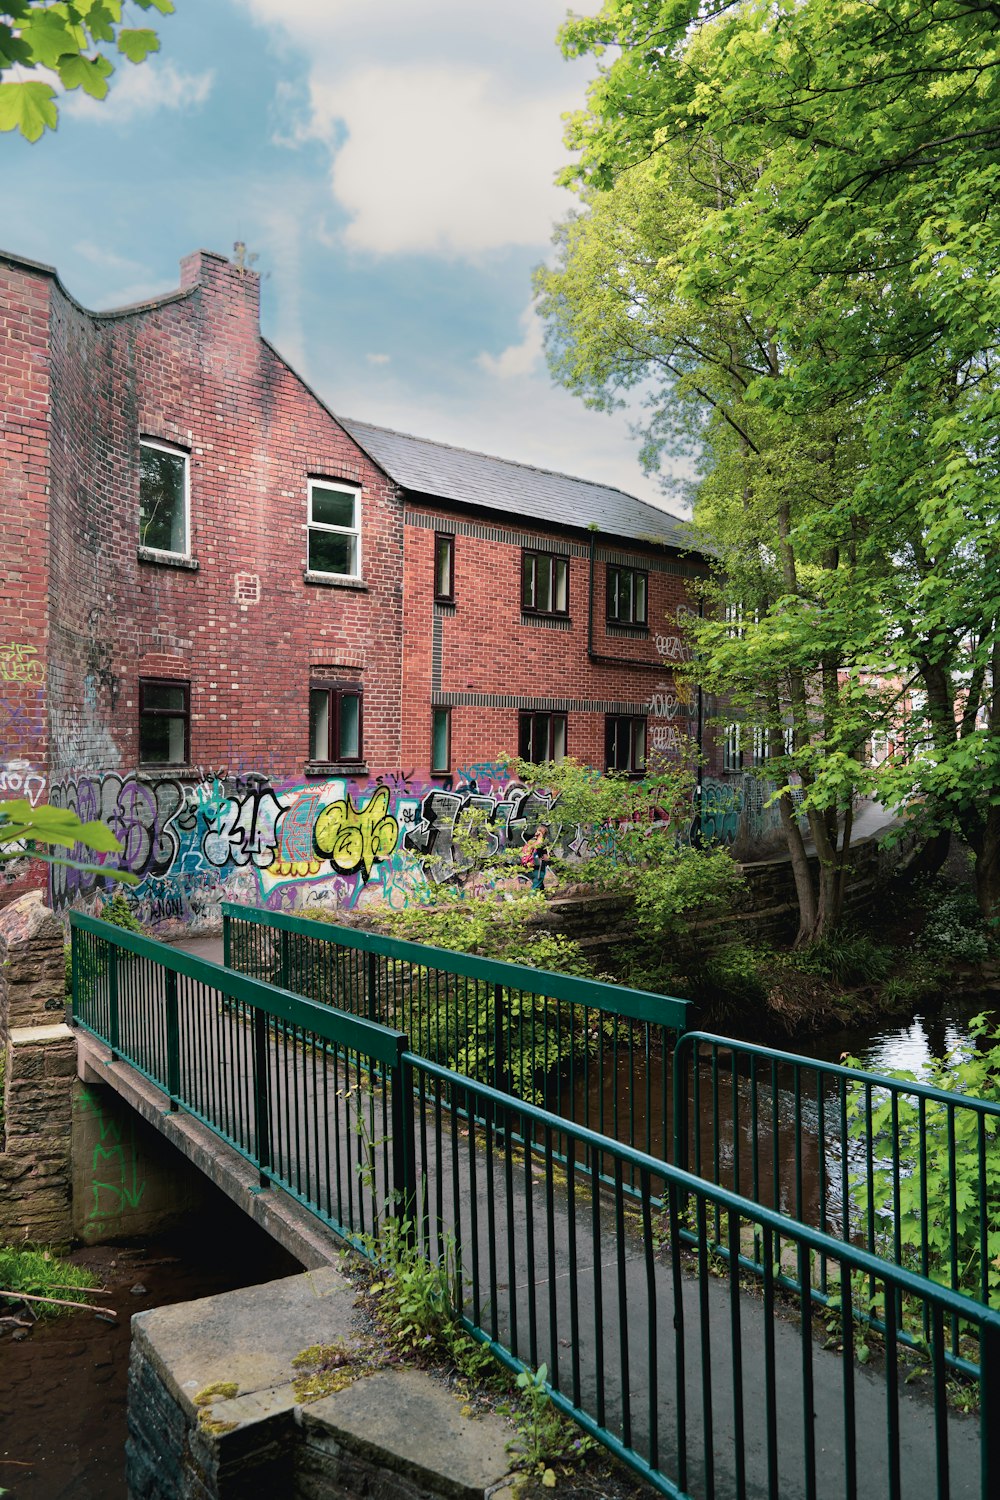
x: 353, y: 838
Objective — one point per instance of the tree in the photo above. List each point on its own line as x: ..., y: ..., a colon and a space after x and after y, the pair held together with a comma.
x: 47, y: 41
x: 877, y: 290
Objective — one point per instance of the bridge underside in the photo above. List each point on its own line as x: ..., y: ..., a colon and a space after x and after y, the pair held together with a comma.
x: 294, y: 1228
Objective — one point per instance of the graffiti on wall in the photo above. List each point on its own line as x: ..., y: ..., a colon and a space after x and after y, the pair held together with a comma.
x: 114, y: 1179
x: 18, y: 778
x: 19, y: 663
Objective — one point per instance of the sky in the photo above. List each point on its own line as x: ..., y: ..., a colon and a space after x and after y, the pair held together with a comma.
x: 391, y: 164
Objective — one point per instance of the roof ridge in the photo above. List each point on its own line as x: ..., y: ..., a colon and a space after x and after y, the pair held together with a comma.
x: 516, y: 463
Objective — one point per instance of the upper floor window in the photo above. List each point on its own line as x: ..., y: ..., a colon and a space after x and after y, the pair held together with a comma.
x: 164, y: 722
x: 335, y: 721
x: 544, y: 583
x: 541, y: 737
x: 625, y: 743
x: 627, y: 589
x: 732, y: 748
x: 334, y: 529
x: 444, y: 567
x: 164, y: 501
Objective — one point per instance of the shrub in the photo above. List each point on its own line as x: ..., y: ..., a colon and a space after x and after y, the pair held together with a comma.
x: 846, y: 958
x: 954, y: 927
x: 733, y: 978
x: 678, y: 885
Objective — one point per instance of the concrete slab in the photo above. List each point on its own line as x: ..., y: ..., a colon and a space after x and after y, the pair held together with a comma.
x: 249, y: 1337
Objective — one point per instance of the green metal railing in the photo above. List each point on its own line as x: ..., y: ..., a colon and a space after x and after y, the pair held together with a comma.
x: 597, y: 1054
x: 908, y: 1170
x: 705, y: 1383
x: 298, y: 1089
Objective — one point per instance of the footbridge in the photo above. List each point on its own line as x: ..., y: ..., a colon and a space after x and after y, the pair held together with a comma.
x: 715, y: 1250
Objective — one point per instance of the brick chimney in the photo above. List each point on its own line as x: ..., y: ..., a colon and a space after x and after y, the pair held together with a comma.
x: 222, y: 278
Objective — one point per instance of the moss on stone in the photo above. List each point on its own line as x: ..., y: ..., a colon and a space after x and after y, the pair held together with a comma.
x: 328, y: 1368
x: 219, y: 1390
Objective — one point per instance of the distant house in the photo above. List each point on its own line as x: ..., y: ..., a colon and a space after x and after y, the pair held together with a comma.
x: 276, y: 650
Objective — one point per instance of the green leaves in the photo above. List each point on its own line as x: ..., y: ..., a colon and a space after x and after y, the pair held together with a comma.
x: 29, y: 108
x: 23, y: 828
x: 138, y: 44
x: 64, y: 39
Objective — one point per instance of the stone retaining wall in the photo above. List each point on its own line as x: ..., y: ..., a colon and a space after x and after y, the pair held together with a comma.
x: 39, y: 1066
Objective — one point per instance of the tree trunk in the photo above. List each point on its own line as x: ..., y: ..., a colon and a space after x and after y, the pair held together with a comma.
x: 988, y: 869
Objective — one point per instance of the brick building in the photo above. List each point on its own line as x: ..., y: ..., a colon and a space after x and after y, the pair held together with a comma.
x: 278, y: 651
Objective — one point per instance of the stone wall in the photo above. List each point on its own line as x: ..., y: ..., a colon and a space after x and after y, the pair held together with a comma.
x: 39, y: 1055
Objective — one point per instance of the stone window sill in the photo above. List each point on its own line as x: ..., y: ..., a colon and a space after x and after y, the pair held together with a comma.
x: 167, y: 559
x: 331, y: 581
x: 336, y: 768
x: 157, y: 770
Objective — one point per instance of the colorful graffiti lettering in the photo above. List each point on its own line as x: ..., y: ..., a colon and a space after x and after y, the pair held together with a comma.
x: 353, y: 838
x: 18, y: 663
x: 140, y: 814
x: 244, y: 828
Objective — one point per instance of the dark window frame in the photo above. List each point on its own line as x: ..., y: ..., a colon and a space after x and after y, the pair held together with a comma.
x: 526, y: 734
x: 183, y: 714
x: 444, y: 770
x: 617, y: 618
x: 336, y: 692
x: 445, y: 538
x: 537, y: 554
x: 613, y: 724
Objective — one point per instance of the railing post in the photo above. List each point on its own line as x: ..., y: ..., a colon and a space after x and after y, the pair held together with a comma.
x: 227, y: 940
x: 989, y: 1395
x: 404, y: 1155
x: 372, y: 985
x: 261, y: 1094
x: 114, y: 1039
x: 501, y: 1078
x: 283, y: 959
x: 680, y: 1111
x: 74, y: 987
x: 173, y: 1041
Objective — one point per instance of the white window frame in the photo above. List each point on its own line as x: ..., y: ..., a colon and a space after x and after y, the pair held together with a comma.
x: 175, y: 452
x: 732, y: 748
x: 343, y: 487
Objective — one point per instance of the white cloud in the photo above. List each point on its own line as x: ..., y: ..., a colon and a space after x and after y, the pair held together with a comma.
x: 107, y: 260
x: 521, y: 358
x: 378, y: 359
x: 459, y: 165
x: 141, y: 90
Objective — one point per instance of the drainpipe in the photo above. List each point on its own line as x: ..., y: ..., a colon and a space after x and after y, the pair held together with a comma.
x: 696, y: 834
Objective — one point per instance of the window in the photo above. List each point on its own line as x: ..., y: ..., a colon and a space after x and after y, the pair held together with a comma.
x: 440, y: 740
x: 544, y: 583
x: 625, y: 743
x: 335, y: 722
x: 541, y: 737
x: 626, y: 595
x: 164, y: 722
x: 444, y: 567
x: 732, y: 749
x: 761, y: 745
x: 334, y: 529
x: 163, y: 499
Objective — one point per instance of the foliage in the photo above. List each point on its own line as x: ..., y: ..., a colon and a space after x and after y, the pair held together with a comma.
x: 119, y: 913
x: 23, y: 828
x: 765, y: 245
x: 68, y: 39
x: 678, y: 884
x: 954, y: 927
x: 41, y: 1274
x: 948, y: 1173
x: 732, y: 978
x: 455, y: 1024
x: 847, y: 958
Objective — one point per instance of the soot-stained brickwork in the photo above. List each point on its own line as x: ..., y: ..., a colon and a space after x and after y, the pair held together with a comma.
x: 234, y: 625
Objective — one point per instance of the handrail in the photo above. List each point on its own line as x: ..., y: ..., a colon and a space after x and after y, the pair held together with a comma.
x: 637, y: 1005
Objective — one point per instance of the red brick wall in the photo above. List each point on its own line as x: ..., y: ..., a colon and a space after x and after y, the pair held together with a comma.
x: 244, y: 628
x: 487, y: 647
x: 24, y: 524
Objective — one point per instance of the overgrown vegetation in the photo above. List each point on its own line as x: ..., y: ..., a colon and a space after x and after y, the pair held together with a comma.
x: 940, y: 1158
x: 39, y: 1273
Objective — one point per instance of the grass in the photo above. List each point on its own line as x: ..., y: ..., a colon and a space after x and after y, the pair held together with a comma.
x: 39, y: 1273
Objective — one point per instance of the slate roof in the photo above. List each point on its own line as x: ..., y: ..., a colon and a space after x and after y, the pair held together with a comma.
x: 515, y: 489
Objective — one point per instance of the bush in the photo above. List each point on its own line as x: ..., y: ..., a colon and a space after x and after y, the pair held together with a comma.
x: 679, y: 885
x: 952, y: 1172
x: 954, y: 927
x: 846, y: 958
x: 733, y: 978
